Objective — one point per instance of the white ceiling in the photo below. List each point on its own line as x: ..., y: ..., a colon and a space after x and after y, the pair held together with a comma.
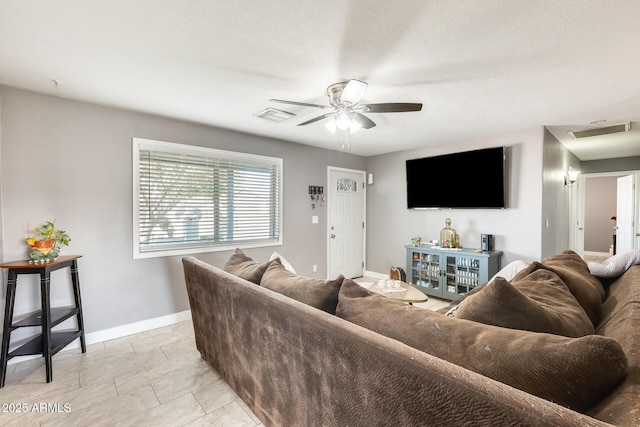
x: 480, y: 67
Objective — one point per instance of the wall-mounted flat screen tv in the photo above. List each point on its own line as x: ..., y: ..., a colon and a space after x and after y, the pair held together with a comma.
x: 467, y: 180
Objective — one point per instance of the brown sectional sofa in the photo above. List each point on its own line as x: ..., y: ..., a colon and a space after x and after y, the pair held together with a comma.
x: 298, y: 364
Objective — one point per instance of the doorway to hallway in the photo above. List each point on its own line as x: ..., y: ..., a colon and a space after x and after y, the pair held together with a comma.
x: 607, y: 213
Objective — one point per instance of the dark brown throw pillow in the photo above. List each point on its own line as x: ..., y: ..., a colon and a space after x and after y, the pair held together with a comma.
x: 574, y: 272
x: 245, y: 267
x: 318, y: 293
x: 577, y: 267
x: 540, y: 302
x: 573, y: 372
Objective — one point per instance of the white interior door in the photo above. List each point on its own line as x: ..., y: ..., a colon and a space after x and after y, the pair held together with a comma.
x: 345, y: 206
x: 576, y: 218
x: 625, y: 230
x: 626, y: 197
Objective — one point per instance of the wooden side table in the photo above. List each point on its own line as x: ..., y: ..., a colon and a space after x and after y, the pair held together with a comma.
x: 48, y: 342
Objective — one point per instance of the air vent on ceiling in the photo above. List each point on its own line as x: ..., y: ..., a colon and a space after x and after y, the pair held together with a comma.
x: 274, y: 115
x: 602, y: 130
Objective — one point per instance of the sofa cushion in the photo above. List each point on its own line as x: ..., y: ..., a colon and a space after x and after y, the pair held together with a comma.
x: 574, y: 272
x: 573, y: 372
x: 246, y: 268
x: 540, y: 302
x: 622, y: 406
x: 321, y: 294
x: 625, y: 290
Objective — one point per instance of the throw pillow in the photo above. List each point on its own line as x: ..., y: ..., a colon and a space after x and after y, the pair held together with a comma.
x: 245, y: 267
x: 574, y: 272
x: 318, y: 293
x: 540, y: 302
x: 573, y: 372
x: 286, y: 264
x: 615, y: 265
x: 577, y: 270
x: 510, y: 270
x: 507, y: 272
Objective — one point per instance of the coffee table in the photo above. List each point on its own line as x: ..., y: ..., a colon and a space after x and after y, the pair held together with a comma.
x: 398, y: 290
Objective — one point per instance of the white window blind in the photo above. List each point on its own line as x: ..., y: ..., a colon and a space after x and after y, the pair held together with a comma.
x: 194, y: 199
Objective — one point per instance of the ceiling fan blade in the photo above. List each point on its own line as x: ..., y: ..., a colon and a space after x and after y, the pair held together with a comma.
x: 353, y: 91
x: 316, y: 119
x: 392, y: 107
x: 303, y: 104
x: 364, y: 121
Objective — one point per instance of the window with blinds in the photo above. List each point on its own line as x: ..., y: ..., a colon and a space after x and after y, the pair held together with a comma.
x: 192, y: 199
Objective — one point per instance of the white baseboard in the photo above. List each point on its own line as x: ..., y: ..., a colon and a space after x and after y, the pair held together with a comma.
x: 375, y: 275
x: 121, y: 331
x: 137, y: 327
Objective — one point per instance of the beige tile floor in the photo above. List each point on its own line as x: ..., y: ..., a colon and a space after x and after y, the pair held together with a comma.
x: 595, y: 258
x: 154, y: 378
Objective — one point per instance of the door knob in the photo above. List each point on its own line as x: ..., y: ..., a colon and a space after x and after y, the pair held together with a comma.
x: 333, y: 236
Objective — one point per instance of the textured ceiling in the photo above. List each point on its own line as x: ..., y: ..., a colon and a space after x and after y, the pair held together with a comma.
x: 480, y: 67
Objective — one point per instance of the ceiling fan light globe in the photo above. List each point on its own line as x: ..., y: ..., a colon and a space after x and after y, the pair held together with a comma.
x: 343, y: 121
x: 331, y: 125
x: 353, y: 91
x: 355, y: 126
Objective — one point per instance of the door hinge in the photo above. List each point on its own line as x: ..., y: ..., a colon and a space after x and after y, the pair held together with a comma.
x: 363, y: 224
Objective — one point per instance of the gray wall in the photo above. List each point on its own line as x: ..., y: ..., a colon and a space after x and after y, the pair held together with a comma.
x: 71, y: 161
x: 600, y: 203
x: 558, y: 200
x: 516, y: 229
x: 610, y: 165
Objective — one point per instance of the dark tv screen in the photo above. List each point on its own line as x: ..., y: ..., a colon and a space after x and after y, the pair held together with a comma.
x: 466, y: 180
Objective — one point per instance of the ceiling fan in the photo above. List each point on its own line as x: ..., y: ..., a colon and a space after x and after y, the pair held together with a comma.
x: 345, y: 110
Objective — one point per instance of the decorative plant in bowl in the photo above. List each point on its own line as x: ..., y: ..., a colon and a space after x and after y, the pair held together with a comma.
x: 46, y: 244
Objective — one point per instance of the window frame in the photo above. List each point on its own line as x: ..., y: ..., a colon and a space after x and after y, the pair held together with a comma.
x: 139, y: 144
